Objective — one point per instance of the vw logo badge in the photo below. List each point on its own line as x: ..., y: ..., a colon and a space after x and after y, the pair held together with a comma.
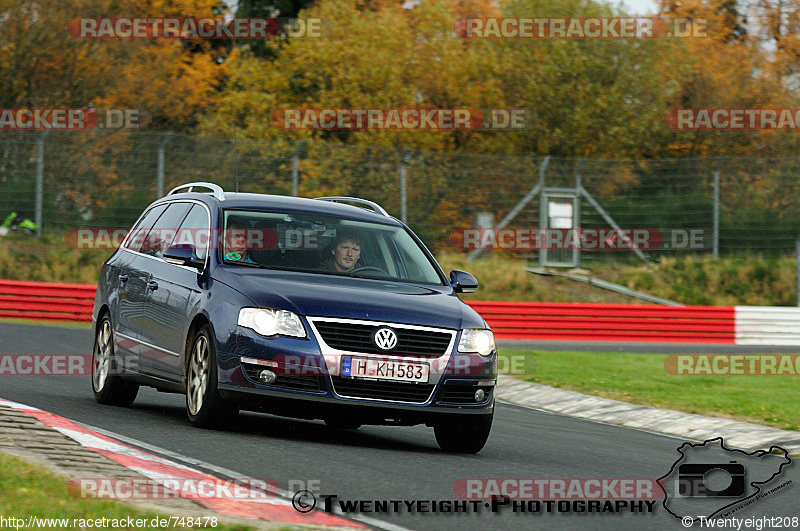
x: 385, y: 338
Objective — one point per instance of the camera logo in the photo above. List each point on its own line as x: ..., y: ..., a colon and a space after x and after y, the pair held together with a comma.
x: 708, y: 478
x: 703, y: 480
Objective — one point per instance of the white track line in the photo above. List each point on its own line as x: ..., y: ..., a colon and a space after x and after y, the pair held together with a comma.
x: 374, y: 522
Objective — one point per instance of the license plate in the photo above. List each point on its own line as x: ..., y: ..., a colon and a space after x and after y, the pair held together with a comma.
x: 385, y: 370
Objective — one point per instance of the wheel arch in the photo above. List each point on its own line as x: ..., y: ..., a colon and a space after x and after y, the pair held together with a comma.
x: 104, y: 309
x: 198, y: 321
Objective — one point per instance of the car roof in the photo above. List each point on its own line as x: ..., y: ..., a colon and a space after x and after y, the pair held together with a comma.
x: 283, y: 203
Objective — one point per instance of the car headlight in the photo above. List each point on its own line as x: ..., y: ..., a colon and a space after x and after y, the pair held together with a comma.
x: 476, y: 340
x: 272, y: 322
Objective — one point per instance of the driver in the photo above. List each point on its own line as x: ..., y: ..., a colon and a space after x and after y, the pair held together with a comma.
x: 346, y: 251
x: 236, y: 249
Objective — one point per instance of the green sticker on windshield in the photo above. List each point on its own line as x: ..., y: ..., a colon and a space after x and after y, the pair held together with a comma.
x: 232, y: 256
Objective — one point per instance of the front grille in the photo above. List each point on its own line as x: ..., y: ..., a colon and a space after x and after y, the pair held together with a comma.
x: 397, y: 391
x: 356, y: 337
x: 463, y: 394
x: 291, y: 381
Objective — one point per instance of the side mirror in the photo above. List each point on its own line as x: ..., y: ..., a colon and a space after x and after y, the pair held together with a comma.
x: 463, y: 282
x: 183, y: 254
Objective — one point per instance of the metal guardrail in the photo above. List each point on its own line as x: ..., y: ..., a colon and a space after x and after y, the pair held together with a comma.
x: 758, y: 325
x: 608, y: 322
x: 745, y: 325
x: 46, y: 301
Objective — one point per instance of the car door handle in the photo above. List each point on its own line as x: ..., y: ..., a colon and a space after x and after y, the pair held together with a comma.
x: 123, y: 278
x: 152, y: 285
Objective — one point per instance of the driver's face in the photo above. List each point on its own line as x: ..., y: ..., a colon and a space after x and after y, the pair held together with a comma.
x: 345, y: 255
x: 236, y: 239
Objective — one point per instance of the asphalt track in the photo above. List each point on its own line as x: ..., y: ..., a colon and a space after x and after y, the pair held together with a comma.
x: 376, y: 463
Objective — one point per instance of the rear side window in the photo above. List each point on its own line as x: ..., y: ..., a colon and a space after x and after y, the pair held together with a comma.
x: 195, y: 230
x: 136, y: 237
x: 164, y: 229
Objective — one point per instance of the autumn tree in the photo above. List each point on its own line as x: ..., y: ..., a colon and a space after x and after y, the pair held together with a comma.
x: 730, y: 68
x: 44, y: 67
x: 385, y: 58
x: 779, y: 25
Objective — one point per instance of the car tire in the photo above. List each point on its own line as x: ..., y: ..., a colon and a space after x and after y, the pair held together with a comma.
x: 204, y: 405
x: 342, y: 424
x: 464, y: 436
x: 108, y: 386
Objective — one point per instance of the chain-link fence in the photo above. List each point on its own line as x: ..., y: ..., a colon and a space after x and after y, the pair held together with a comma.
x: 105, y: 179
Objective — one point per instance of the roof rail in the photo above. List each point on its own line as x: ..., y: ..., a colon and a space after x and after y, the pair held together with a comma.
x: 216, y: 189
x: 357, y: 200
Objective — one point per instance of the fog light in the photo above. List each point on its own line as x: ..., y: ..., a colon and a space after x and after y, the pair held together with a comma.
x: 267, y: 377
x: 479, y: 395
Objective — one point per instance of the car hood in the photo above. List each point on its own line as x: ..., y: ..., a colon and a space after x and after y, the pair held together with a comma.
x: 352, y: 298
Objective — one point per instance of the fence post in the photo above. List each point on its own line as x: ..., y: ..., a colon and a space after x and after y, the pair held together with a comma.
x: 403, y: 197
x: 797, y: 258
x: 235, y: 161
x: 161, y: 146
x: 40, y: 181
x: 576, y: 253
x: 715, y: 242
x: 519, y: 206
x: 296, y: 167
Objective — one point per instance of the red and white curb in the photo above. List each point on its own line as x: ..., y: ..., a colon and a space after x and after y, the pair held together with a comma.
x: 158, y: 469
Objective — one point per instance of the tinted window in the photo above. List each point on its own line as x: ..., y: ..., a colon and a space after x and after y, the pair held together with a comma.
x: 315, y: 243
x: 163, y: 231
x: 195, y: 230
x: 136, y: 237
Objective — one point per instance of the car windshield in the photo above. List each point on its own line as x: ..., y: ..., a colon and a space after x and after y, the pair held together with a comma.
x: 325, y: 245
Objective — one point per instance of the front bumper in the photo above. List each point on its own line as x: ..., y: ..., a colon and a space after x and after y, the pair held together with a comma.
x: 308, y: 406
x: 319, y: 391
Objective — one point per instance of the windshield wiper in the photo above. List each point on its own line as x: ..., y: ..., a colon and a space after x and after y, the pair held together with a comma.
x: 246, y: 264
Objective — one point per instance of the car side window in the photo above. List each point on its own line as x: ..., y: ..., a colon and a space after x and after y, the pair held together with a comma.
x: 136, y: 237
x: 164, y: 229
x: 195, y: 230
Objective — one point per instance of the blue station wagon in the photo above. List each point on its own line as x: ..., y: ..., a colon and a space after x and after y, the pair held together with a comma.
x: 324, y: 308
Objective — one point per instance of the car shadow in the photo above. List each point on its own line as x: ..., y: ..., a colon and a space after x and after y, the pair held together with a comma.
x: 301, y: 430
x: 292, y: 430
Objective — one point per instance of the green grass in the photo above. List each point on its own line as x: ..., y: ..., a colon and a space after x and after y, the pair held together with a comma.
x: 642, y: 379
x: 502, y: 278
x: 693, y: 280
x: 729, y: 281
x: 30, y: 490
x: 48, y: 260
